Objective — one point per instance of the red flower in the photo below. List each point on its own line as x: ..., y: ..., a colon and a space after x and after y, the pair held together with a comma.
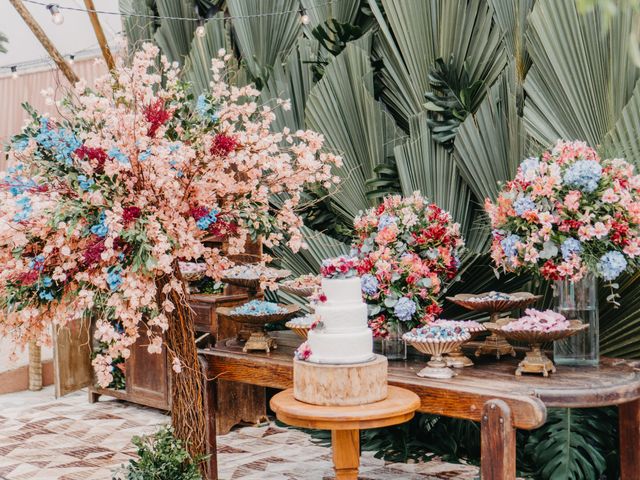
x: 550, y: 271
x: 98, y: 155
x: 93, y: 252
x: 130, y: 214
x: 223, y: 145
x: 434, y: 310
x: 322, y: 298
x: 28, y: 278
x: 156, y: 115
x: 198, y: 212
x: 380, y: 209
x: 618, y: 233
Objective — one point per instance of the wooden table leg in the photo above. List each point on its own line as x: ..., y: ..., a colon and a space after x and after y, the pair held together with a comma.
x: 498, y: 442
x: 346, y: 453
x: 629, y: 426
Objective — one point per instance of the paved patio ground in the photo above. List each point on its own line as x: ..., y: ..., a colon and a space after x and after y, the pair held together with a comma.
x: 69, y: 439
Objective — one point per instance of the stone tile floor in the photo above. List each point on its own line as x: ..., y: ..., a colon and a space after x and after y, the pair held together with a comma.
x: 69, y: 439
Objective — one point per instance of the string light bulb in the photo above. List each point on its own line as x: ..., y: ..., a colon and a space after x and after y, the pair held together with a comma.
x: 56, y: 14
x: 200, y: 31
x: 14, y: 72
x: 304, y: 18
x: 72, y: 59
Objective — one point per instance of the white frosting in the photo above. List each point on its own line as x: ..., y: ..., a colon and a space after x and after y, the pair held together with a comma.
x: 344, y: 337
x: 353, y: 347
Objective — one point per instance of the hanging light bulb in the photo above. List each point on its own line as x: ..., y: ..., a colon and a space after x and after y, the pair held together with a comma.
x: 72, y: 59
x: 14, y: 72
x: 200, y: 31
x: 56, y: 14
x: 304, y: 18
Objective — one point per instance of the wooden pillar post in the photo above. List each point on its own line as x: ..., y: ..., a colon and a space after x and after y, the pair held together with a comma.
x: 629, y: 426
x: 211, y: 464
x: 44, y: 40
x: 35, y: 366
x: 345, y: 445
x: 97, y: 28
x: 498, y: 442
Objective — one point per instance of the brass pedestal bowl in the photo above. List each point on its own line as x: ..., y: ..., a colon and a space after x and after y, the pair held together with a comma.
x: 252, y: 326
x: 457, y: 358
x: 301, y: 325
x: 304, y: 286
x: 436, y: 366
x: 495, y: 344
x: 535, y: 360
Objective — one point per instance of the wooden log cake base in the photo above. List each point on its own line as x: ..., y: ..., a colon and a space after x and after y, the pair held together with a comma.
x: 340, y: 385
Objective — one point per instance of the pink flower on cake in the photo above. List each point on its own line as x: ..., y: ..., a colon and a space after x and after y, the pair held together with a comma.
x: 303, y: 352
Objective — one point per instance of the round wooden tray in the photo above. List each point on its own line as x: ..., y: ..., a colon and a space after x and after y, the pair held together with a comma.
x: 244, y: 319
x: 522, y: 299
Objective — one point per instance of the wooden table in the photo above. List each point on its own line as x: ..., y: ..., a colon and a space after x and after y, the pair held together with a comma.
x: 345, y: 423
x: 488, y: 393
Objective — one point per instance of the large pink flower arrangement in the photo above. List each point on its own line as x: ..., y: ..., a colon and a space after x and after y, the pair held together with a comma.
x: 566, y: 213
x: 407, y: 248
x: 104, y: 201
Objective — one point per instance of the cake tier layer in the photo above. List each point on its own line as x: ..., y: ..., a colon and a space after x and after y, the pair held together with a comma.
x: 340, y: 385
x: 342, y: 290
x: 343, y: 318
x: 340, y: 348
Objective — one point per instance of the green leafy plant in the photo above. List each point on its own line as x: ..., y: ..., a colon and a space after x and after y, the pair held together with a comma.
x: 454, y: 96
x: 161, y: 457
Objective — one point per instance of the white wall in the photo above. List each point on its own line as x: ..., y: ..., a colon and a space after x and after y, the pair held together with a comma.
x: 23, y: 358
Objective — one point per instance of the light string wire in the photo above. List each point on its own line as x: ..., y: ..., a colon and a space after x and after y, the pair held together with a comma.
x: 47, y: 60
x: 190, y: 19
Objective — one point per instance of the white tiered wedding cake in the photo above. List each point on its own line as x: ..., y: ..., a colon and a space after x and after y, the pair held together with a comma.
x: 336, y: 366
x: 342, y: 336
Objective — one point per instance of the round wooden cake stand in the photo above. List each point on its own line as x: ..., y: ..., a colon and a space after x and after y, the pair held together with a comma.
x: 345, y: 423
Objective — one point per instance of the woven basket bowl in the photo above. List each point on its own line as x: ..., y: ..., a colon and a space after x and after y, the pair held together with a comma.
x: 522, y: 299
x: 532, y: 337
x: 300, y: 291
x: 437, y: 348
x: 292, y: 310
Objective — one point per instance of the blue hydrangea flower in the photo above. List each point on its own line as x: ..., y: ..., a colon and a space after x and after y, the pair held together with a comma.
x: 25, y: 204
x: 61, y: 142
x: 47, y: 282
x: 258, y: 307
x: 203, y: 107
x: 569, y: 247
x: 21, y: 144
x: 45, y: 295
x: 85, y: 183
x: 611, y: 265
x: 531, y: 164
x: 508, y: 245
x: 523, y: 205
x: 404, y: 309
x: 114, y: 279
x: 584, y: 174
x: 205, y: 222
x: 100, y: 229
x: 369, y: 284
x: 116, y: 154
x: 385, y: 221
x: 142, y: 156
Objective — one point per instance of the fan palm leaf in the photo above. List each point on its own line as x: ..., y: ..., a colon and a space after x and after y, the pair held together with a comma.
x: 624, y: 139
x: 137, y: 28
x: 414, y: 33
x: 490, y: 143
x: 342, y: 107
x: 343, y: 11
x: 265, y: 32
x: 581, y: 77
x: 174, y: 36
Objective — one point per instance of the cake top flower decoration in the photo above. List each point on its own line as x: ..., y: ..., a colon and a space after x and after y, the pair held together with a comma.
x: 339, y: 267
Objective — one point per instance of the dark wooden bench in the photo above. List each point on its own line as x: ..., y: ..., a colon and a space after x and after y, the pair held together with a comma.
x: 488, y: 393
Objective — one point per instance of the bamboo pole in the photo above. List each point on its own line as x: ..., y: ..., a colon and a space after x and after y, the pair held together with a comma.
x: 97, y: 28
x: 44, y: 40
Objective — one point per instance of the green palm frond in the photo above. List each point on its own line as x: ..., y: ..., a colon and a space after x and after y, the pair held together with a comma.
x: 573, y: 444
x: 203, y: 49
x: 620, y: 327
x: 428, y: 167
x: 491, y: 143
x: 174, y: 36
x: 343, y: 11
x: 261, y: 39
x: 342, y: 107
x: 292, y: 79
x: 137, y: 28
x: 624, y: 139
x: 581, y: 77
x: 414, y: 33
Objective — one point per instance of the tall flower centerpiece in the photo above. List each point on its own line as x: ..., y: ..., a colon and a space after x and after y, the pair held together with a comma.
x: 570, y: 217
x: 407, y: 248
x: 103, y: 202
